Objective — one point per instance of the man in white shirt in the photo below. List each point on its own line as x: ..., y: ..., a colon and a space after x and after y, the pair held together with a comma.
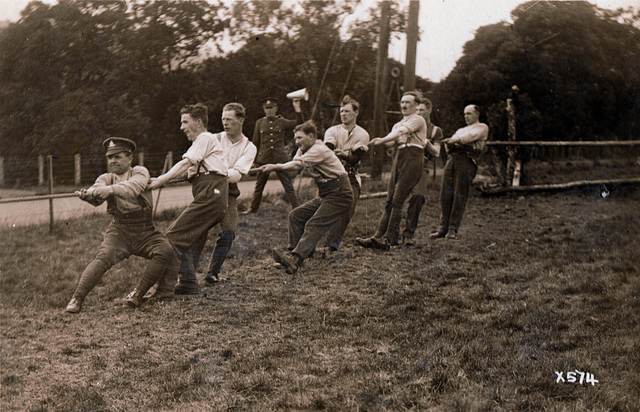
x: 239, y: 153
x: 419, y: 192
x: 410, y: 134
x: 350, y: 143
x: 309, y: 222
x: 206, y: 169
x: 464, y: 148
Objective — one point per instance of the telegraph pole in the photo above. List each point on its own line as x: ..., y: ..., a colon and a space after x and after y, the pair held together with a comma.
x: 382, y: 74
x: 412, y: 44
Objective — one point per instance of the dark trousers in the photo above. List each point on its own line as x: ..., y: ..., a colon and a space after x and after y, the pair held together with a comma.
x: 413, y: 215
x: 227, y: 233
x: 226, y: 236
x: 287, y: 184
x: 416, y: 201
x: 120, y: 242
x: 209, y: 206
x: 404, y: 176
x: 334, y: 237
x: 312, y: 220
x: 459, y: 172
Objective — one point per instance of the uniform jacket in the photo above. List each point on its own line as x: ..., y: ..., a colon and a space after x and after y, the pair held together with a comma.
x: 268, y: 137
x: 129, y: 194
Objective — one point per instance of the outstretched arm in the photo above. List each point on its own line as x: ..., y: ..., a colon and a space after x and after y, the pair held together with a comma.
x: 392, y: 137
x: 178, y: 170
x: 292, y: 165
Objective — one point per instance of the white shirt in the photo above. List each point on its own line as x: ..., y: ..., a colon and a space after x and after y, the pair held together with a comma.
x: 342, y: 139
x: 320, y: 161
x: 207, y: 152
x: 417, y: 130
x: 239, y: 155
x: 474, y: 135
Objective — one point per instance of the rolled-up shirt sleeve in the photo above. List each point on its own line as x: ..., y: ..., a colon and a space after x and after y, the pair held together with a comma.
x: 414, y: 123
x: 361, y: 140
x: 330, y: 136
x: 243, y: 164
x: 197, y: 151
x: 311, y: 157
x: 470, y: 134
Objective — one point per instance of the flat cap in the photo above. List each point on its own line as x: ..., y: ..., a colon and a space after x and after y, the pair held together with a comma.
x: 115, y: 145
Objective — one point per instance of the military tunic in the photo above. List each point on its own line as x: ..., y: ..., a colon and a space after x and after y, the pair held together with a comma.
x: 269, y: 139
x: 131, y: 232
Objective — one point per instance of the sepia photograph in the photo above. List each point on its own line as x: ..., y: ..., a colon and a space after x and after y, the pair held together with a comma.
x: 342, y: 205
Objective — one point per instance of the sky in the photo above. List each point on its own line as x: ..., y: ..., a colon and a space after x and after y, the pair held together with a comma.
x: 446, y: 25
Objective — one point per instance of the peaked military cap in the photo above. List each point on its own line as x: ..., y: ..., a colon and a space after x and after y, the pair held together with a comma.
x: 115, y: 145
x: 269, y: 102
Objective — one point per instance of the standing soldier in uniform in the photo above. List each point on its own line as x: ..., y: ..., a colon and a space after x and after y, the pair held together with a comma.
x: 309, y: 222
x: 410, y: 134
x: 131, y: 232
x: 419, y: 192
x: 206, y: 169
x: 268, y: 136
x: 349, y: 142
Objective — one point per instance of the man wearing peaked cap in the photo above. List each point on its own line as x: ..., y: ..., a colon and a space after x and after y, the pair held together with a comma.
x: 131, y: 232
x: 269, y: 138
x: 269, y: 103
x: 115, y: 145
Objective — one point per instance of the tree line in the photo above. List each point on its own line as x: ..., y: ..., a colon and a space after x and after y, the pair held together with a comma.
x: 574, y: 63
x: 76, y: 72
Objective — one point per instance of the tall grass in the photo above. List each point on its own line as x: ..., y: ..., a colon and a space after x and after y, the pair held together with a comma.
x: 533, y: 286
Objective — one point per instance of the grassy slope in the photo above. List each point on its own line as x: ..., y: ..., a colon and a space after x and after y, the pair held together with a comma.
x: 533, y: 286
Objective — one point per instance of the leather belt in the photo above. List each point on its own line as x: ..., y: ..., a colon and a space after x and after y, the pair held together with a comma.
x: 323, y: 181
x: 402, y: 146
x: 208, y: 172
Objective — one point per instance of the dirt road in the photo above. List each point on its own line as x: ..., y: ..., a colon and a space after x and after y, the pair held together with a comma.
x: 37, y: 211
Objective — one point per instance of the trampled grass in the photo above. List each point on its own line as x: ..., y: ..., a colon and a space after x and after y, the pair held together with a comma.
x: 534, y: 287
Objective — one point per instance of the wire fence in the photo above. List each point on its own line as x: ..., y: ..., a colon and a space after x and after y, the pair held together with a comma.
x: 71, y: 170
x: 68, y: 170
x: 74, y: 170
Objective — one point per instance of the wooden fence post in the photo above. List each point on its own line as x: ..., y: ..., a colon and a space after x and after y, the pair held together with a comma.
x: 40, y: 170
x: 140, y: 158
x: 50, y: 160
x: 170, y: 157
x: 1, y: 171
x: 77, y: 162
x: 511, y: 133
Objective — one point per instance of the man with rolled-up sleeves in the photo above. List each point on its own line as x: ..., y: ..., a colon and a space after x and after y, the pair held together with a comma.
x: 206, y: 169
x: 349, y: 142
x: 311, y: 221
x: 463, y: 150
x: 410, y: 134
x: 239, y: 153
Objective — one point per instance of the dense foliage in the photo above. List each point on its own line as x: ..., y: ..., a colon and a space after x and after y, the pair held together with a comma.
x: 576, y: 63
x: 76, y: 72
x: 79, y: 71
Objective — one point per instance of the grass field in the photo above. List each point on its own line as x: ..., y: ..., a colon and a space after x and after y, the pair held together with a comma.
x: 535, y: 286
